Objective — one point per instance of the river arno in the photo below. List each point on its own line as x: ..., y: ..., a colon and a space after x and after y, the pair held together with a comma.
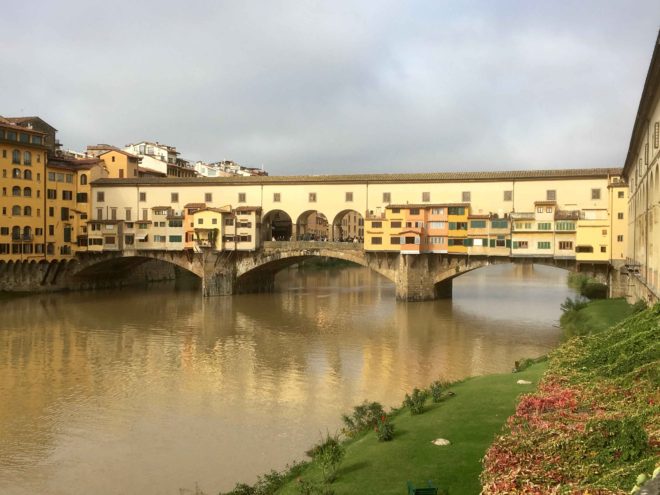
x: 150, y: 391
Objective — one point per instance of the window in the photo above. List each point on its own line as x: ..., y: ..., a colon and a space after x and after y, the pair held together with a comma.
x: 16, y: 157
x: 27, y: 211
x: 100, y: 196
x: 604, y: 232
x: 551, y: 195
x: 565, y: 226
x: 387, y: 197
x: 229, y: 222
x: 27, y: 175
x: 174, y: 197
x: 377, y: 240
x: 508, y: 195
x: 438, y: 225
x: 466, y: 195
x: 478, y: 224
x: 349, y: 196
x: 109, y: 239
x: 499, y: 224
x: 51, y: 193
x: 51, y: 230
x: 214, y: 221
x: 312, y: 197
x: 145, y: 214
x: 543, y: 245
x: 395, y: 240
x: 437, y: 211
x: 51, y: 211
x: 620, y: 194
x: 619, y: 216
x: 200, y: 221
x: 25, y: 138
x: 544, y: 226
x: 277, y: 197
x: 241, y: 197
x: 81, y: 197
x: 395, y: 225
x: 539, y: 209
x: 16, y: 173
x: 376, y: 225
x: 548, y: 210
x: 619, y: 238
x: 64, y: 213
x: 83, y: 180
x: 113, y: 213
x: 208, y: 197
x: 27, y: 158
x: 121, y: 171
x: 603, y: 249
x: 520, y: 244
x: 437, y: 240
x: 15, y: 191
x: 143, y: 196
x: 565, y: 245
x: 595, y: 194
x: 176, y: 238
x: 67, y: 195
x: 426, y: 197
x: 414, y: 211
x: 456, y: 210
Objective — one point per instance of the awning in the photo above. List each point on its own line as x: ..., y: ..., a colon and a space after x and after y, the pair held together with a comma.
x: 142, y: 237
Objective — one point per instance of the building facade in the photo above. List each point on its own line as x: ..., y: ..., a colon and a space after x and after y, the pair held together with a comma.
x: 642, y: 174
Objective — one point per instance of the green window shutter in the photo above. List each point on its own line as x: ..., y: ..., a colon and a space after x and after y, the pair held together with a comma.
x: 452, y: 225
x: 492, y: 243
x: 508, y: 243
x: 515, y: 244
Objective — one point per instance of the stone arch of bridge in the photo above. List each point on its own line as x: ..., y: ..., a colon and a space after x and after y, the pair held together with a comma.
x: 118, y: 265
x: 347, y: 224
x: 267, y: 265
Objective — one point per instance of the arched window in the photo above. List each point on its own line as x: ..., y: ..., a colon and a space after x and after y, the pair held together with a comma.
x: 50, y: 248
x: 27, y: 174
x: 83, y: 179
x: 16, y: 211
x: 16, y: 233
x: 27, y: 232
x: 15, y: 191
x: 27, y: 192
x: 27, y: 211
x: 27, y: 158
x: 16, y: 157
x: 16, y: 173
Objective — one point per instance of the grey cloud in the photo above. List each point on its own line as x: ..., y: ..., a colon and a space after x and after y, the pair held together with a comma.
x: 333, y: 87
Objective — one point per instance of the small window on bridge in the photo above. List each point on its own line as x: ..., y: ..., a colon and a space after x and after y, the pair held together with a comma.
x: 208, y: 197
x: 387, y: 197
x: 143, y: 196
x: 551, y: 195
x: 241, y: 197
x: 349, y: 196
x: 508, y: 195
x: 466, y: 196
x: 426, y: 197
x: 277, y: 197
x: 595, y: 194
x: 312, y: 197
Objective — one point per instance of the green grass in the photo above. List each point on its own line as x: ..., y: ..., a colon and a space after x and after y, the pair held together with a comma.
x: 599, y: 315
x: 470, y: 420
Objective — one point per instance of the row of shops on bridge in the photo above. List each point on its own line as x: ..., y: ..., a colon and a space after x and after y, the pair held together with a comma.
x: 452, y: 228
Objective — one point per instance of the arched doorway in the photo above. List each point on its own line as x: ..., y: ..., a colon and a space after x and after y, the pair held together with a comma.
x: 348, y: 226
x: 276, y: 225
x: 313, y: 225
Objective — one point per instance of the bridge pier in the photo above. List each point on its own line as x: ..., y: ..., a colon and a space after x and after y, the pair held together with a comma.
x: 415, y: 279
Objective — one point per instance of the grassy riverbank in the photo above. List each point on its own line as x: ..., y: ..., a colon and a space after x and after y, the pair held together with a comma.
x: 594, y: 423
x: 596, y: 316
x: 469, y: 420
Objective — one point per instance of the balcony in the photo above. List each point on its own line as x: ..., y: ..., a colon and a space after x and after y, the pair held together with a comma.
x: 22, y: 238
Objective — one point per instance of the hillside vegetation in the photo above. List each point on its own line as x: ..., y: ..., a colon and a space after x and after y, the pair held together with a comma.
x: 593, y: 425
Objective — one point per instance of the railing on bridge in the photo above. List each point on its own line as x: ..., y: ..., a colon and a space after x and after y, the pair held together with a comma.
x: 345, y: 246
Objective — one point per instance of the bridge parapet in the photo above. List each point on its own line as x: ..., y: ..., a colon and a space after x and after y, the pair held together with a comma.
x: 306, y: 245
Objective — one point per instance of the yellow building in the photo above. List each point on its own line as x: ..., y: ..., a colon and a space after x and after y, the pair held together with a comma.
x: 209, y: 224
x: 457, y: 221
x: 23, y: 156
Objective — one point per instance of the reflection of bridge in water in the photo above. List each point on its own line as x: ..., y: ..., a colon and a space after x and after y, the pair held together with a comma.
x: 417, y: 277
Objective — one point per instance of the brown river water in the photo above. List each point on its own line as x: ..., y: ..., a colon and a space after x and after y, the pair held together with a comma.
x: 155, y: 391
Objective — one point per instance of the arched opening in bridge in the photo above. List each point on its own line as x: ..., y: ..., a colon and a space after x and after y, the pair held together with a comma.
x: 348, y: 226
x: 313, y: 225
x: 276, y: 225
x: 135, y: 270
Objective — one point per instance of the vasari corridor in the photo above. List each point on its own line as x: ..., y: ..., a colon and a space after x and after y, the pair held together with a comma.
x: 431, y: 265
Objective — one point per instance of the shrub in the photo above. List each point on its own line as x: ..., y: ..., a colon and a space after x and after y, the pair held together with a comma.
x: 384, y: 429
x: 364, y: 417
x: 573, y: 305
x: 415, y: 402
x: 616, y: 439
x: 594, y: 290
x: 242, y: 489
x: 328, y: 454
x: 639, y: 306
x: 310, y: 488
x: 436, y: 390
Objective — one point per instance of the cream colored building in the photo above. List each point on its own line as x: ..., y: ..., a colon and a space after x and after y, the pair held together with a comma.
x: 642, y: 174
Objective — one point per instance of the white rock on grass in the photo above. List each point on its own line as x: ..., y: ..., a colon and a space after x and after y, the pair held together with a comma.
x: 523, y: 382
x: 441, y: 441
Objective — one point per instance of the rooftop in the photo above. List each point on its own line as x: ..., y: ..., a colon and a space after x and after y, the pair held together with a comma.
x: 514, y: 175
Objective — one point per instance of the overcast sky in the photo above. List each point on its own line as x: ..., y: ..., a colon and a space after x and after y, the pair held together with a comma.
x: 336, y: 86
